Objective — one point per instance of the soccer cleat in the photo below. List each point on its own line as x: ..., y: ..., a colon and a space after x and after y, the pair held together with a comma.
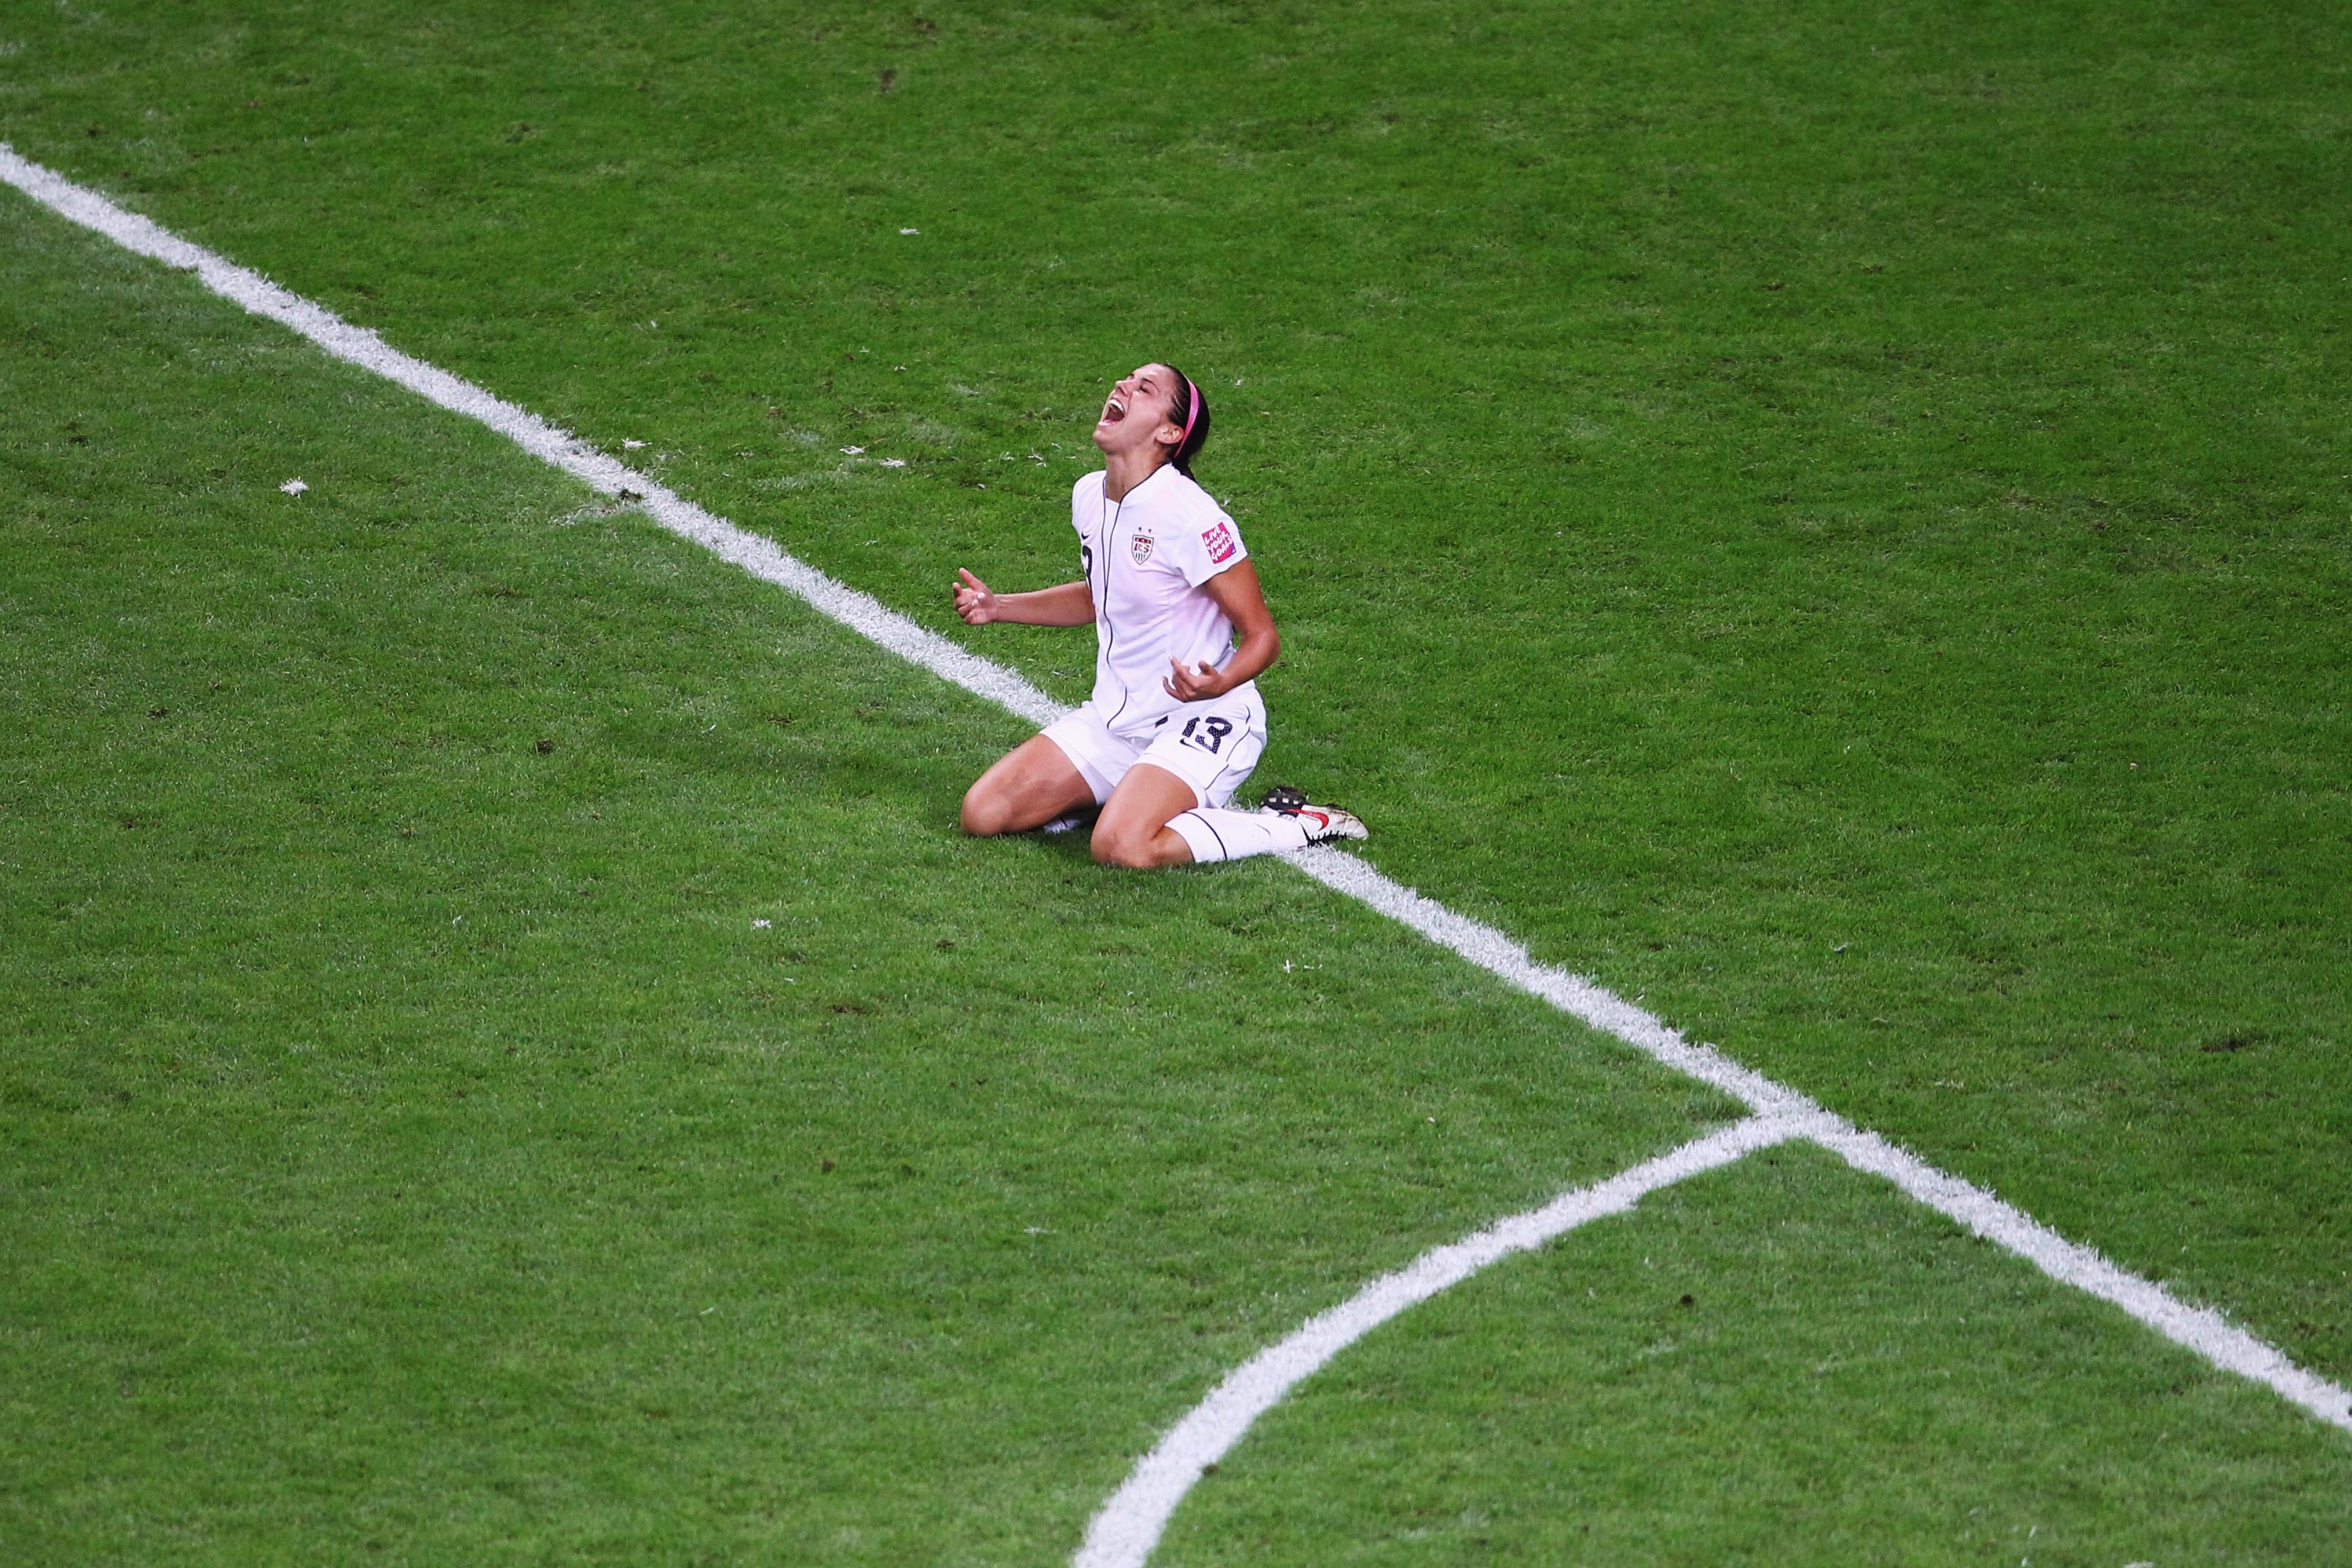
x: 1323, y: 823
x: 1282, y: 800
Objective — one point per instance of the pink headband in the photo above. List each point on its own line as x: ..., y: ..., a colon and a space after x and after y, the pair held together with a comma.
x: 1191, y: 413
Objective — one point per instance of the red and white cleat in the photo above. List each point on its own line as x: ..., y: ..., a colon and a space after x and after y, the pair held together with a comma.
x: 1323, y: 823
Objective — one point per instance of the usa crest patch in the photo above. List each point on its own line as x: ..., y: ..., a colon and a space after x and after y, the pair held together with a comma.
x: 1220, y: 540
x: 1140, y: 548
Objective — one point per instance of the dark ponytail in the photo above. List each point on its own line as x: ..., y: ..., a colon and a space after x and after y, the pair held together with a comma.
x: 1188, y: 411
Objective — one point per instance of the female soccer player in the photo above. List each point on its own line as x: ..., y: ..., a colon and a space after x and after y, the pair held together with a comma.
x: 1175, y: 723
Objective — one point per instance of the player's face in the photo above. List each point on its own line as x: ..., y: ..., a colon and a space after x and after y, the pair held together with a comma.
x: 1135, y: 416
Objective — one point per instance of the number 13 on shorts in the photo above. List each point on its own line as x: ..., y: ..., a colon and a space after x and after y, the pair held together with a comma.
x: 1206, y: 732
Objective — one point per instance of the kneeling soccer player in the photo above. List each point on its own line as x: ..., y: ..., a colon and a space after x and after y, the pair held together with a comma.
x: 1175, y: 722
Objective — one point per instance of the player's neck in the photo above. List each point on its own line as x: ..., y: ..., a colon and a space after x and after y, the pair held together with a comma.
x: 1122, y: 471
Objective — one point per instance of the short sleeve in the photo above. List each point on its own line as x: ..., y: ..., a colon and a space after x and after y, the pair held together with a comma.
x: 1207, y: 541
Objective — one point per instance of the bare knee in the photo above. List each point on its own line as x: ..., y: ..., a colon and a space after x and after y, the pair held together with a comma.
x: 1127, y: 850
x: 1118, y: 850
x: 986, y: 811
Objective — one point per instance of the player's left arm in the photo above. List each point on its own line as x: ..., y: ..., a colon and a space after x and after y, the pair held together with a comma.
x: 1239, y: 594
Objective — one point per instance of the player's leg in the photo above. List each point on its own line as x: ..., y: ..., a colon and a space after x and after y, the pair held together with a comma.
x: 1170, y: 807
x: 1215, y: 753
x: 1220, y: 833
x: 1030, y: 785
x: 1133, y: 828
x: 1153, y: 820
x: 1198, y: 757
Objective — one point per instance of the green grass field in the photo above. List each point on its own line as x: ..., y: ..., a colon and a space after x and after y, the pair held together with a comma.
x: 1831, y: 523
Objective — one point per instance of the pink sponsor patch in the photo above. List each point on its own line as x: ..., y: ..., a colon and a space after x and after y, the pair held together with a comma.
x: 1220, y: 540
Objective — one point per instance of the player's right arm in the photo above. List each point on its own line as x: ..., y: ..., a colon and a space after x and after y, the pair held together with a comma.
x: 1069, y: 605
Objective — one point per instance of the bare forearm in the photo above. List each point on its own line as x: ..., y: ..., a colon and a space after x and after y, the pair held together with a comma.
x: 1067, y: 605
x: 1257, y: 649
x: 1255, y: 654
x: 1238, y: 593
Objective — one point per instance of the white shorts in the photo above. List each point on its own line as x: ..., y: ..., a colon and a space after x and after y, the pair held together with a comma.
x: 1211, y: 745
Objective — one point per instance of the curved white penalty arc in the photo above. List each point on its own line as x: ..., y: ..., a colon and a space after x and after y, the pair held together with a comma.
x: 1129, y: 1525
x: 2198, y: 1329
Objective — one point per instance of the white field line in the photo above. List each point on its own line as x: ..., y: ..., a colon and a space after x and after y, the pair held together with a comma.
x: 1123, y: 1535
x: 2199, y: 1329
x: 2204, y: 1331
x: 861, y: 612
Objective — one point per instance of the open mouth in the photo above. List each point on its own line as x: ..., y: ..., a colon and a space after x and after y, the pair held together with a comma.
x: 1114, y: 409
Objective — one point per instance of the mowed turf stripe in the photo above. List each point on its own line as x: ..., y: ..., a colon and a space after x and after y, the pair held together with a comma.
x: 2200, y: 1330
x: 1124, y: 1533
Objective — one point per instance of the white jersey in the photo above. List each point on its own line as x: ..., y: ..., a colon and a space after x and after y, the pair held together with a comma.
x: 1146, y: 559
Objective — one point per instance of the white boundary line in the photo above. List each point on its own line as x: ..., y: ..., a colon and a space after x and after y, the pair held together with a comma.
x: 1123, y: 1535
x: 2197, y: 1328
x: 861, y: 612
